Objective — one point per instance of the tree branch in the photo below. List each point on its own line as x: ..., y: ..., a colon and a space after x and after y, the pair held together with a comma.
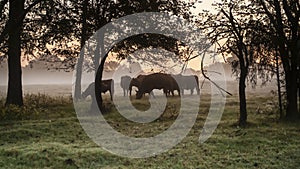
x: 269, y: 14
x: 288, y: 12
x: 2, y: 4
x: 206, y: 77
x: 231, y: 20
x: 4, y: 32
x: 31, y: 6
x: 18, y: 21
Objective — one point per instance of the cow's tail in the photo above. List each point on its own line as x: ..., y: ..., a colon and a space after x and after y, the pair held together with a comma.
x: 130, y: 87
x: 197, y: 83
x: 112, y: 88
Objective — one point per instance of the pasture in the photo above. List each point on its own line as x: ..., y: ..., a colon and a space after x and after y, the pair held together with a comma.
x: 47, y: 134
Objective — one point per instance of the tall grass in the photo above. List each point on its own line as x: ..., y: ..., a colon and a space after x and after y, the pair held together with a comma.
x: 36, y: 106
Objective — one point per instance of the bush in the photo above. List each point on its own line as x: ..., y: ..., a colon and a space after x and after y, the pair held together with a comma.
x: 35, y: 106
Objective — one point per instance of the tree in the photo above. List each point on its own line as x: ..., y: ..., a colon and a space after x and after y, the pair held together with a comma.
x: 16, y: 14
x: 255, y: 32
x: 229, y: 28
x: 28, y: 27
x: 283, y: 17
x: 83, y: 38
x: 103, y: 12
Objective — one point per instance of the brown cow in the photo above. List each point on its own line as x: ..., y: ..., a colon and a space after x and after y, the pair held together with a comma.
x: 137, y: 83
x: 106, y: 85
x: 156, y: 81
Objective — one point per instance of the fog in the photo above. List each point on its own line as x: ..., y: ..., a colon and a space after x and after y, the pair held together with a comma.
x: 40, y: 80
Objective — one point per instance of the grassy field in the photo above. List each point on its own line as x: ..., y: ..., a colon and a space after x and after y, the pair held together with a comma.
x: 47, y: 134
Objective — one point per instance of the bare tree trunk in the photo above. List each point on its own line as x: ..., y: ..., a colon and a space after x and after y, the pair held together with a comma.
x: 98, y: 50
x: 96, y: 58
x: 279, y: 88
x: 298, y: 93
x: 292, y: 108
x: 289, y: 57
x: 298, y: 72
x: 291, y: 88
x: 291, y: 76
x: 242, y: 96
x: 14, y: 91
x: 290, y: 70
x: 77, y: 94
x: 98, y: 79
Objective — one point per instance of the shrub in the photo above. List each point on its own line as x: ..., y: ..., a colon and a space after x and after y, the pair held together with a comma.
x: 35, y: 106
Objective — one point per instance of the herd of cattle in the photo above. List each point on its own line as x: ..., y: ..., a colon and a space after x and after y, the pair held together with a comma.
x: 147, y: 83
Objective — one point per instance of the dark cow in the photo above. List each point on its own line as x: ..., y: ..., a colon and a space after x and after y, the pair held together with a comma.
x: 190, y: 82
x: 137, y: 83
x: 174, y: 85
x: 106, y: 85
x: 156, y: 81
x: 125, y: 82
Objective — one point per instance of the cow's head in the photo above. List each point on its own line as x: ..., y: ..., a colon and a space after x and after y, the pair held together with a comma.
x: 84, y: 94
x: 88, y: 91
x: 133, y: 82
x: 139, y: 94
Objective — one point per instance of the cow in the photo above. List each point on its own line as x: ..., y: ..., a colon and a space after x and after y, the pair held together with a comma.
x: 156, y: 81
x: 137, y: 82
x: 174, y: 85
x: 190, y: 82
x: 106, y: 85
x: 125, y: 82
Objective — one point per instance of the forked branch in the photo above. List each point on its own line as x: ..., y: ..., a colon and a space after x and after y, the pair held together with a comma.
x: 206, y: 77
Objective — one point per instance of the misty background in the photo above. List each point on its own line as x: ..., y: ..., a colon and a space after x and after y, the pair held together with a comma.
x: 38, y: 78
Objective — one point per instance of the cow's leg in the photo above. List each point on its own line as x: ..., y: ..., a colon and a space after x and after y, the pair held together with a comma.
x: 169, y: 92
x: 124, y: 92
x: 111, y: 95
x: 165, y: 92
x: 192, y: 91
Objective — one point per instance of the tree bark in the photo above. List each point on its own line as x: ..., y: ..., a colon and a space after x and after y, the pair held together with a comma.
x: 77, y: 91
x: 291, y: 75
x: 14, y: 91
x: 298, y: 71
x: 98, y: 79
x: 278, y: 87
x: 289, y: 57
x: 291, y: 88
x: 77, y: 94
x: 242, y: 96
x: 292, y: 107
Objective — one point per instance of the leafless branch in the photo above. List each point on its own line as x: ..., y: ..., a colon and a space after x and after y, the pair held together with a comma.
x: 206, y: 77
x: 2, y: 4
x: 18, y: 21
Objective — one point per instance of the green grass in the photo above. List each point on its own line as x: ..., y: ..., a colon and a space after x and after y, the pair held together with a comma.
x: 53, y: 138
